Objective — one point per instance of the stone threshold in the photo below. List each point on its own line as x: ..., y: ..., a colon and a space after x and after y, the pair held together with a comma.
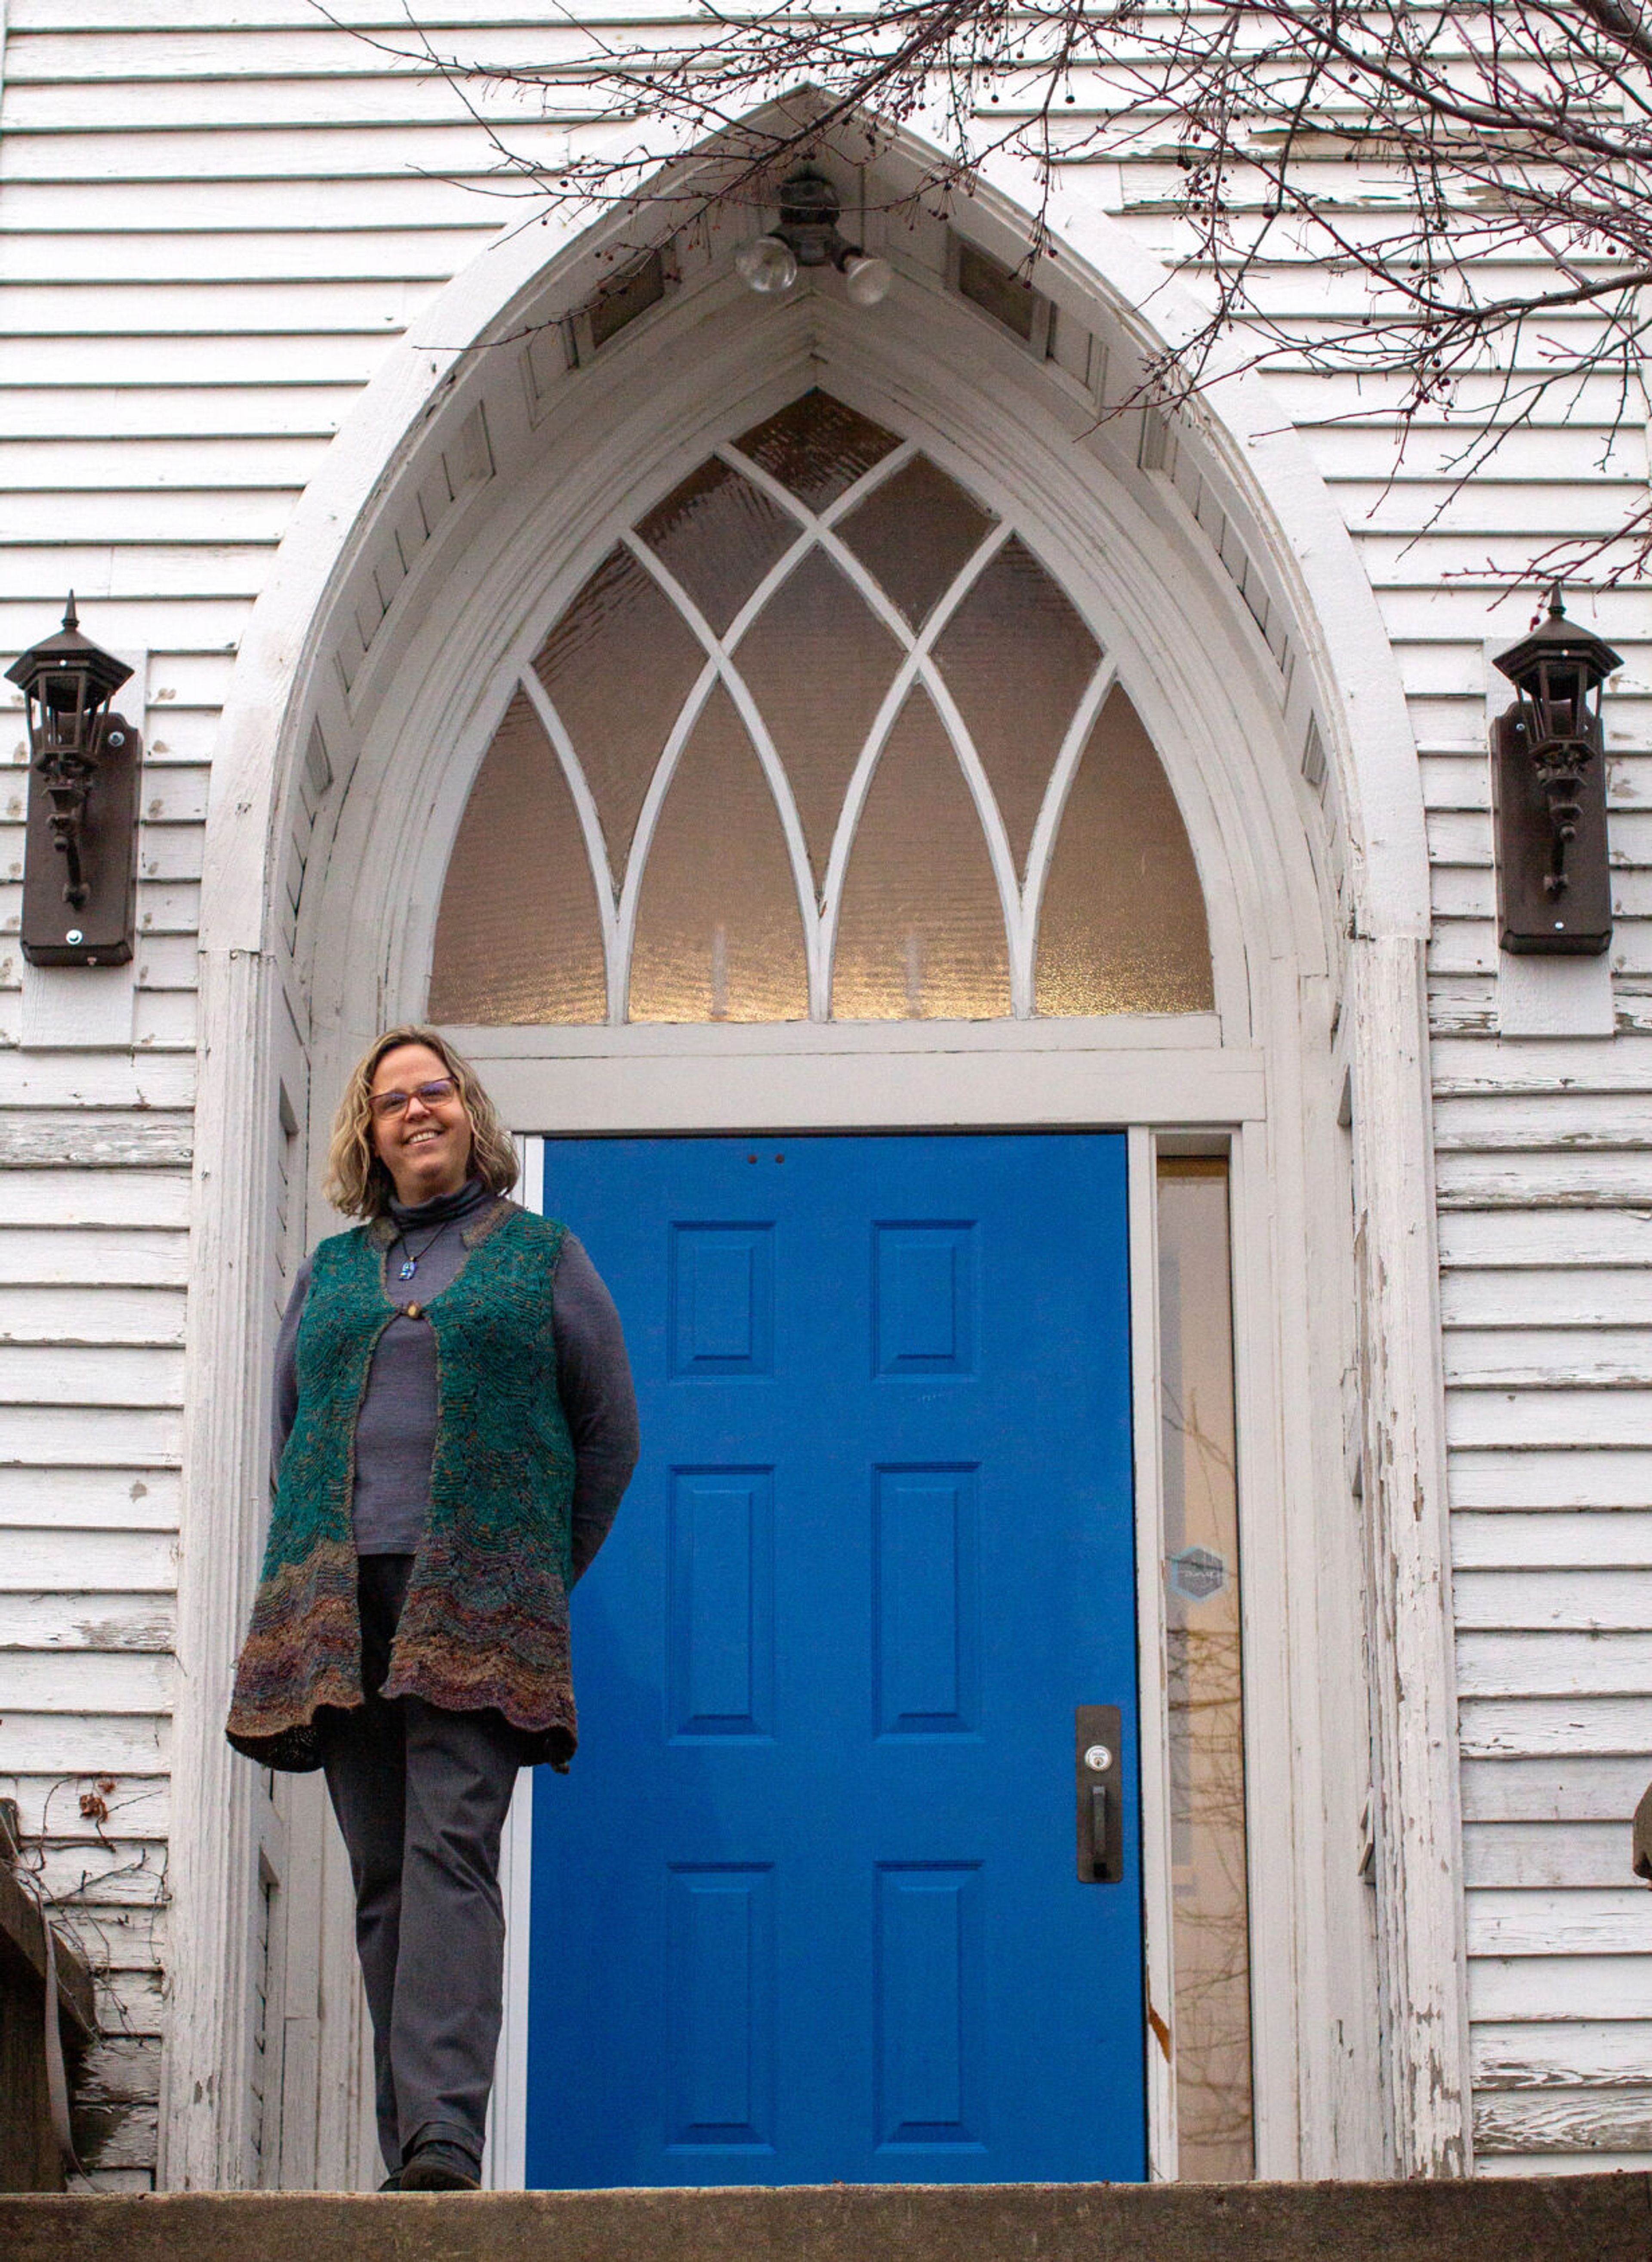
x: 1572, y: 2218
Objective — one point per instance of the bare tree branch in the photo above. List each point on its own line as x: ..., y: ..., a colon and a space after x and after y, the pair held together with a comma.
x: 1471, y: 185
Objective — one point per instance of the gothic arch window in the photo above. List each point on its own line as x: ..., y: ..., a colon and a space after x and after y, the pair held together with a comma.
x: 819, y: 738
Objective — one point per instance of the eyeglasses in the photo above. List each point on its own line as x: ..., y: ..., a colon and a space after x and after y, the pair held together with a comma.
x: 386, y: 1104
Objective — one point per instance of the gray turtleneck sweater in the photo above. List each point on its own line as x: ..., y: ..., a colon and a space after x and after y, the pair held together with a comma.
x: 396, y: 1429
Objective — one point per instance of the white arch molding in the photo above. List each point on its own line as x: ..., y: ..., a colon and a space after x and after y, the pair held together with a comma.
x: 508, y: 477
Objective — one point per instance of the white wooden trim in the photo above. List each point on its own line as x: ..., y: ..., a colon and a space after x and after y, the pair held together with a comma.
x: 1419, y: 1827
x: 1119, y: 1035
x: 1289, y: 1844
x: 934, y: 1088
x: 504, y: 2165
x: 504, y: 2158
x: 1153, y: 1669
x: 205, y: 2133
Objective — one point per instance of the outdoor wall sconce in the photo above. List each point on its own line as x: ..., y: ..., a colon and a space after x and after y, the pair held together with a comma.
x: 80, y: 846
x: 1548, y: 791
x: 808, y: 236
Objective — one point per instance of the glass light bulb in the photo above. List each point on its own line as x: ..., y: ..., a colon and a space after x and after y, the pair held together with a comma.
x: 866, y: 280
x: 766, y: 264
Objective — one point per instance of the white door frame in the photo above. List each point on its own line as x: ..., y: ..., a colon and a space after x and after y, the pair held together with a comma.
x: 359, y: 710
x: 504, y: 2166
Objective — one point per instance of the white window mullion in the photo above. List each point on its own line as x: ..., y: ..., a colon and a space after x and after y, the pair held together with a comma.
x: 591, y: 826
x: 1041, y: 852
x: 717, y: 652
x: 647, y: 818
x: 851, y: 498
x: 915, y: 667
x: 992, y: 824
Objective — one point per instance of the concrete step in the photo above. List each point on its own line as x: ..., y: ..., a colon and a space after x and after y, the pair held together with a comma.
x: 1601, y: 2218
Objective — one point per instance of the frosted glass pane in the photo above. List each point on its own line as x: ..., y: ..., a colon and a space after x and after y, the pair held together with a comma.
x: 718, y: 934
x: 617, y: 714
x: 719, y: 536
x: 1017, y: 657
x: 912, y: 534
x: 1123, y: 926
x: 517, y: 937
x: 816, y: 447
x: 818, y: 662
x: 921, y: 934
x: 1211, y: 1929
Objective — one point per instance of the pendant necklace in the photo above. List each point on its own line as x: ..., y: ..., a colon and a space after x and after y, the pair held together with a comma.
x: 409, y: 1257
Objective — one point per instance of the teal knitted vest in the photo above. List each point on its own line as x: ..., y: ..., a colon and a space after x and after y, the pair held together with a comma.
x: 485, y: 1620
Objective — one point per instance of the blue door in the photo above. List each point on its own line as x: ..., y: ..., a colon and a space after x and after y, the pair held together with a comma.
x: 809, y: 1906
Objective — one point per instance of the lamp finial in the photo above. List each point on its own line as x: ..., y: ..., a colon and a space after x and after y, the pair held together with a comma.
x: 71, y: 618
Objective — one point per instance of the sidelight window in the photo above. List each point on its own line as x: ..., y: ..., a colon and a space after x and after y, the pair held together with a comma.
x: 820, y: 738
x: 1211, y: 2018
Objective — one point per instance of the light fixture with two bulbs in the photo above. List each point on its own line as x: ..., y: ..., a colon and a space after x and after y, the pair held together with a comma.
x: 808, y: 236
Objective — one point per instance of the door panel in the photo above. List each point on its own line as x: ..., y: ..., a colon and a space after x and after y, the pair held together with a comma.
x: 807, y: 1907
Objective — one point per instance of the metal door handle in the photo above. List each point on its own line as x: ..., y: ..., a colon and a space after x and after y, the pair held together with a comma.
x: 1098, y: 1731
x: 1098, y: 1828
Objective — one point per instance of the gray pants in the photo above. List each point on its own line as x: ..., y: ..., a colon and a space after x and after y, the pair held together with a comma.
x: 420, y: 1795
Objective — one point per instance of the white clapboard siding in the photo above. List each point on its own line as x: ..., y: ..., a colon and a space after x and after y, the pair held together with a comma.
x: 35, y: 1375
x: 1494, y: 1180
x: 1556, y: 1788
x: 110, y: 1623
x: 47, y: 1257
x: 1561, y: 1986
x: 1575, y: 2053
x: 1617, y: 2122
x: 86, y: 1313
x: 1579, y: 1602
x: 115, y: 1680
x: 1532, y: 1478
x: 1533, y: 1854
x: 1559, y: 2164
x: 284, y: 257
x: 126, y: 1567
x: 1608, y: 1357
x: 97, y: 1080
x: 1549, y: 1416
x: 1518, y: 1663
x: 82, y: 1745
x: 90, y: 1197
x: 92, y: 1436
x: 1598, y: 1921
x: 214, y: 217
x: 308, y: 414
x: 1514, y: 1726
x: 1583, y: 1297
x: 50, y: 1807
x: 1536, y: 1543
x: 85, y: 1499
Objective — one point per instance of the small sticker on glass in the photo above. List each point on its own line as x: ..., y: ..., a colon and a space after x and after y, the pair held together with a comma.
x: 1197, y: 1574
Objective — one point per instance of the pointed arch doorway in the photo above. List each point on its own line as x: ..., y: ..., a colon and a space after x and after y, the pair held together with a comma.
x: 482, y: 483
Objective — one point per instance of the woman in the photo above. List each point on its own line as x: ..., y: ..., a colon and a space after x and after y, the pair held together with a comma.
x: 454, y: 1427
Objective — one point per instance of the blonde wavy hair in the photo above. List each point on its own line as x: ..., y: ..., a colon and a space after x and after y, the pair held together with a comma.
x: 356, y: 1181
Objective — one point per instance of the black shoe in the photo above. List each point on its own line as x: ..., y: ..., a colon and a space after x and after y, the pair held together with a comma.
x: 440, y: 2167
x: 391, y: 2182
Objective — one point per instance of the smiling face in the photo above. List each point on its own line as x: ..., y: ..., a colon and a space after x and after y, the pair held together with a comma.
x: 426, y: 1148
